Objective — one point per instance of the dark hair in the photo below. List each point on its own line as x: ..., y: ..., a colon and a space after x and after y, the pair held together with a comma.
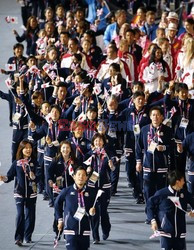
x: 55, y: 106
x: 80, y: 9
x: 65, y: 33
x: 76, y: 124
x: 92, y: 109
x: 182, y: 86
x: 138, y: 83
x: 112, y: 45
x: 78, y: 56
x: 138, y: 93
x: 36, y: 94
x: 115, y: 66
x: 91, y: 33
x: 28, y: 27
x: 62, y: 84
x: 18, y: 45
x: 45, y: 102
x: 59, y: 6
x: 98, y: 135
x: 131, y: 31
x: 72, y: 154
x: 19, y: 154
x: 31, y: 57
x: 51, y: 47
x: 174, y: 176
x: 158, y: 108
x: 152, y: 57
x: 75, y: 40
x: 79, y: 168
x: 190, y: 20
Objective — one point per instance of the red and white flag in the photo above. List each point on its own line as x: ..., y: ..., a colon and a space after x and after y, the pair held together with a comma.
x: 116, y: 90
x: 34, y: 70
x: 81, y: 117
x: 46, y: 67
x: 97, y: 89
x: 45, y: 85
x: 8, y: 82
x: 88, y: 161
x: 155, y: 234
x: 176, y: 202
x: 11, y: 19
x: 10, y: 67
x: 71, y: 171
x: 172, y: 111
x: 106, y: 94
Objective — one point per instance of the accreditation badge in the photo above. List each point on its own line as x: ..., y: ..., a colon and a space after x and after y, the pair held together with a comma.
x: 184, y: 123
x: 79, y: 214
x: 152, y: 147
x: 94, y: 177
x: 136, y: 129
x: 55, y: 143
x: 168, y: 122
x: 16, y: 117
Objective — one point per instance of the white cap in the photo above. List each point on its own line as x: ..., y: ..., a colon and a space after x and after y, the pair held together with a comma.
x: 192, y: 11
x: 173, y: 15
x: 172, y: 26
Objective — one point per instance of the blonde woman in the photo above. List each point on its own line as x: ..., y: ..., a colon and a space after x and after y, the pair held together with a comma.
x: 185, y: 63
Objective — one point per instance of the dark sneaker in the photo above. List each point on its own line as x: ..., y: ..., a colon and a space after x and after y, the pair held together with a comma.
x: 96, y: 242
x: 105, y: 236
x: 18, y: 242
x: 140, y: 200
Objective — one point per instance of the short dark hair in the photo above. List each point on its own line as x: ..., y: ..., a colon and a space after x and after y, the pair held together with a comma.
x: 158, y: 108
x: 115, y: 66
x: 55, y: 106
x: 18, y: 45
x: 131, y: 31
x: 80, y: 168
x: 98, y: 135
x: 174, y: 176
x: 138, y: 93
x: 138, y: 83
x: 182, y: 86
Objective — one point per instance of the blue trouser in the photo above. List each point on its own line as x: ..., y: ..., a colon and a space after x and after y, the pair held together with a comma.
x: 172, y: 243
x: 18, y: 136
x: 134, y: 178
x: 77, y: 242
x: 152, y: 183
x: 101, y: 212
x: 40, y: 159
x: 25, y: 218
x: 114, y: 176
x: 191, y: 184
x: 48, y: 189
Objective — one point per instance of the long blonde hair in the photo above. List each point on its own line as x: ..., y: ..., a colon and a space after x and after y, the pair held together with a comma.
x: 189, y: 51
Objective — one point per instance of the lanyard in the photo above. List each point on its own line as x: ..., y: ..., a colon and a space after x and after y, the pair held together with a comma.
x: 86, y: 104
x: 154, y: 136
x: 77, y: 146
x: 61, y: 105
x: 184, y: 112
x: 66, y: 165
x: 99, y: 161
x: 54, y: 131
x: 81, y: 202
x: 137, y: 116
x: 90, y: 129
x: 23, y: 163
